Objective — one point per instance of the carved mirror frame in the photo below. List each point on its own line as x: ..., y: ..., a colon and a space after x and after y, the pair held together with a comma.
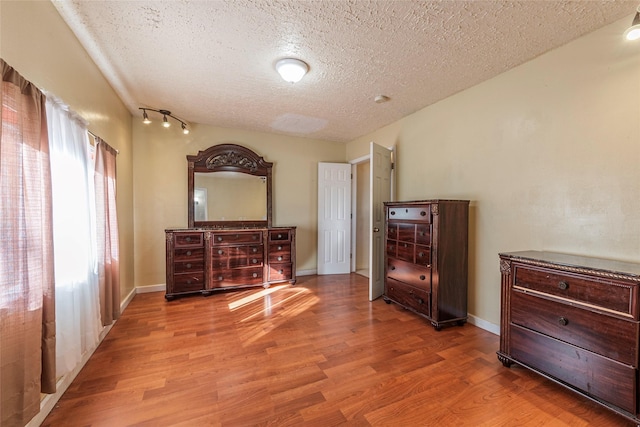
x: 227, y: 158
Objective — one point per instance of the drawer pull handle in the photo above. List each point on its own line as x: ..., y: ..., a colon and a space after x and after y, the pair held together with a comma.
x: 255, y: 250
x: 420, y: 301
x: 220, y: 252
x: 393, y: 267
x: 188, y: 265
x: 563, y: 285
x: 188, y: 282
x: 220, y: 239
x: 279, y: 248
x: 255, y: 275
x: 220, y: 277
x: 422, y: 277
x: 422, y: 233
x: 420, y: 254
x: 255, y: 237
x: 392, y: 212
x: 188, y: 239
x: 279, y: 258
x: 280, y: 271
x: 423, y: 213
x: 563, y: 321
x: 255, y: 261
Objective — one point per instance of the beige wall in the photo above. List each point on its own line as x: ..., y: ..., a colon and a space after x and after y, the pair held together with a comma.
x: 160, y: 186
x: 38, y: 44
x: 548, y: 153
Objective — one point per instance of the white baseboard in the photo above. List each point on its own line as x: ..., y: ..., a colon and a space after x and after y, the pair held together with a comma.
x: 483, y: 324
x: 151, y: 288
x: 125, y: 302
x: 306, y: 272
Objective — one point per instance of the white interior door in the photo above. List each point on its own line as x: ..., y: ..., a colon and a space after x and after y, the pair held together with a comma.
x: 334, y: 218
x: 380, y: 188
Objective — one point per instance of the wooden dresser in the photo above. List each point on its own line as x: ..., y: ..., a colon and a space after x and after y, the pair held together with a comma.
x: 575, y: 320
x: 206, y: 260
x: 426, y: 258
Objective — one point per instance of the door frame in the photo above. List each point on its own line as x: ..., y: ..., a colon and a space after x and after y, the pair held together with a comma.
x: 354, y: 193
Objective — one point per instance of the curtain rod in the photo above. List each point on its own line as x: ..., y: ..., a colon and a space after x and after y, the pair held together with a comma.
x: 96, y: 136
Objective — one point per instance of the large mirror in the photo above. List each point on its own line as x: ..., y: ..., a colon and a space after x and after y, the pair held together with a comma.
x: 229, y: 186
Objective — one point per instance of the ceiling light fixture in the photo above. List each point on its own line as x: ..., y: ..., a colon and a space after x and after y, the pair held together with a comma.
x: 291, y: 70
x: 633, y: 32
x: 165, y: 120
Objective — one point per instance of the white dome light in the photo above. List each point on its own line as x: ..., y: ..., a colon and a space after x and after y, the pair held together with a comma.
x: 291, y: 70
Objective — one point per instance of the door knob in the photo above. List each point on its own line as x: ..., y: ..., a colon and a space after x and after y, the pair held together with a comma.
x: 376, y: 229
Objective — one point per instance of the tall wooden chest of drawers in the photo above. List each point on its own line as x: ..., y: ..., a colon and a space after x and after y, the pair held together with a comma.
x: 206, y: 260
x: 575, y: 320
x: 426, y: 258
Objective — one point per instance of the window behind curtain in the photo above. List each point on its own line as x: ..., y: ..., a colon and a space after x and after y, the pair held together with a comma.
x: 27, y: 316
x: 78, y: 323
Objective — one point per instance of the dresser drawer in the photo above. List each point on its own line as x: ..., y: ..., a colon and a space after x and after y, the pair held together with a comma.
x: 598, y: 376
x: 391, y: 248
x: 405, y: 251
x: 231, y: 238
x: 392, y: 231
x: 188, y: 254
x: 185, y: 240
x: 237, y: 256
x: 409, y: 296
x: 423, y: 234
x: 279, y: 236
x: 609, y: 336
x: 423, y: 256
x: 584, y: 289
x: 407, y: 232
x: 242, y: 260
x: 188, y: 266
x: 411, y: 274
x: 282, y: 255
x: 188, y: 282
x: 237, y: 277
x: 422, y: 213
x: 279, y: 271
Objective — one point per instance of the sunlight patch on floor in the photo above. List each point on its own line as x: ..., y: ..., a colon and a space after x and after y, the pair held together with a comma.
x: 250, y: 298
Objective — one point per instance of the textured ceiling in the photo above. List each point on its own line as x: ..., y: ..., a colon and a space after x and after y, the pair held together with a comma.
x: 212, y: 62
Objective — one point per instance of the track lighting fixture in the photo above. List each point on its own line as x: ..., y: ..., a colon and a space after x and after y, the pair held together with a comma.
x: 165, y: 120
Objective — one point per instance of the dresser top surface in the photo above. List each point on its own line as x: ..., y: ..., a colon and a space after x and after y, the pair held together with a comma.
x: 576, y: 261
x: 423, y: 202
x: 198, y: 229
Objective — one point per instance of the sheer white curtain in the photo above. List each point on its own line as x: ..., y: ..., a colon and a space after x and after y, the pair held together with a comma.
x: 78, y: 322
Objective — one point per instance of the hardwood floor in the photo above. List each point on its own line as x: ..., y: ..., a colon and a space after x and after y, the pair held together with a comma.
x: 317, y: 354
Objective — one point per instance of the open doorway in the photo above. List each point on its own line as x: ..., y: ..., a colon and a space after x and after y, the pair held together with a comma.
x: 361, y: 217
x: 360, y: 231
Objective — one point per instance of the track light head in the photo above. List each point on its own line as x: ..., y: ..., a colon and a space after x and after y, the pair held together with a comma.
x: 633, y: 32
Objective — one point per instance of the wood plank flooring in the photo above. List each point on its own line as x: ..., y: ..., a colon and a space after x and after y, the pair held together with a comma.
x: 315, y: 354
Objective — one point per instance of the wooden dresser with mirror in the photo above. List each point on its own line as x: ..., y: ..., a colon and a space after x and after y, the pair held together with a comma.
x: 230, y: 242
